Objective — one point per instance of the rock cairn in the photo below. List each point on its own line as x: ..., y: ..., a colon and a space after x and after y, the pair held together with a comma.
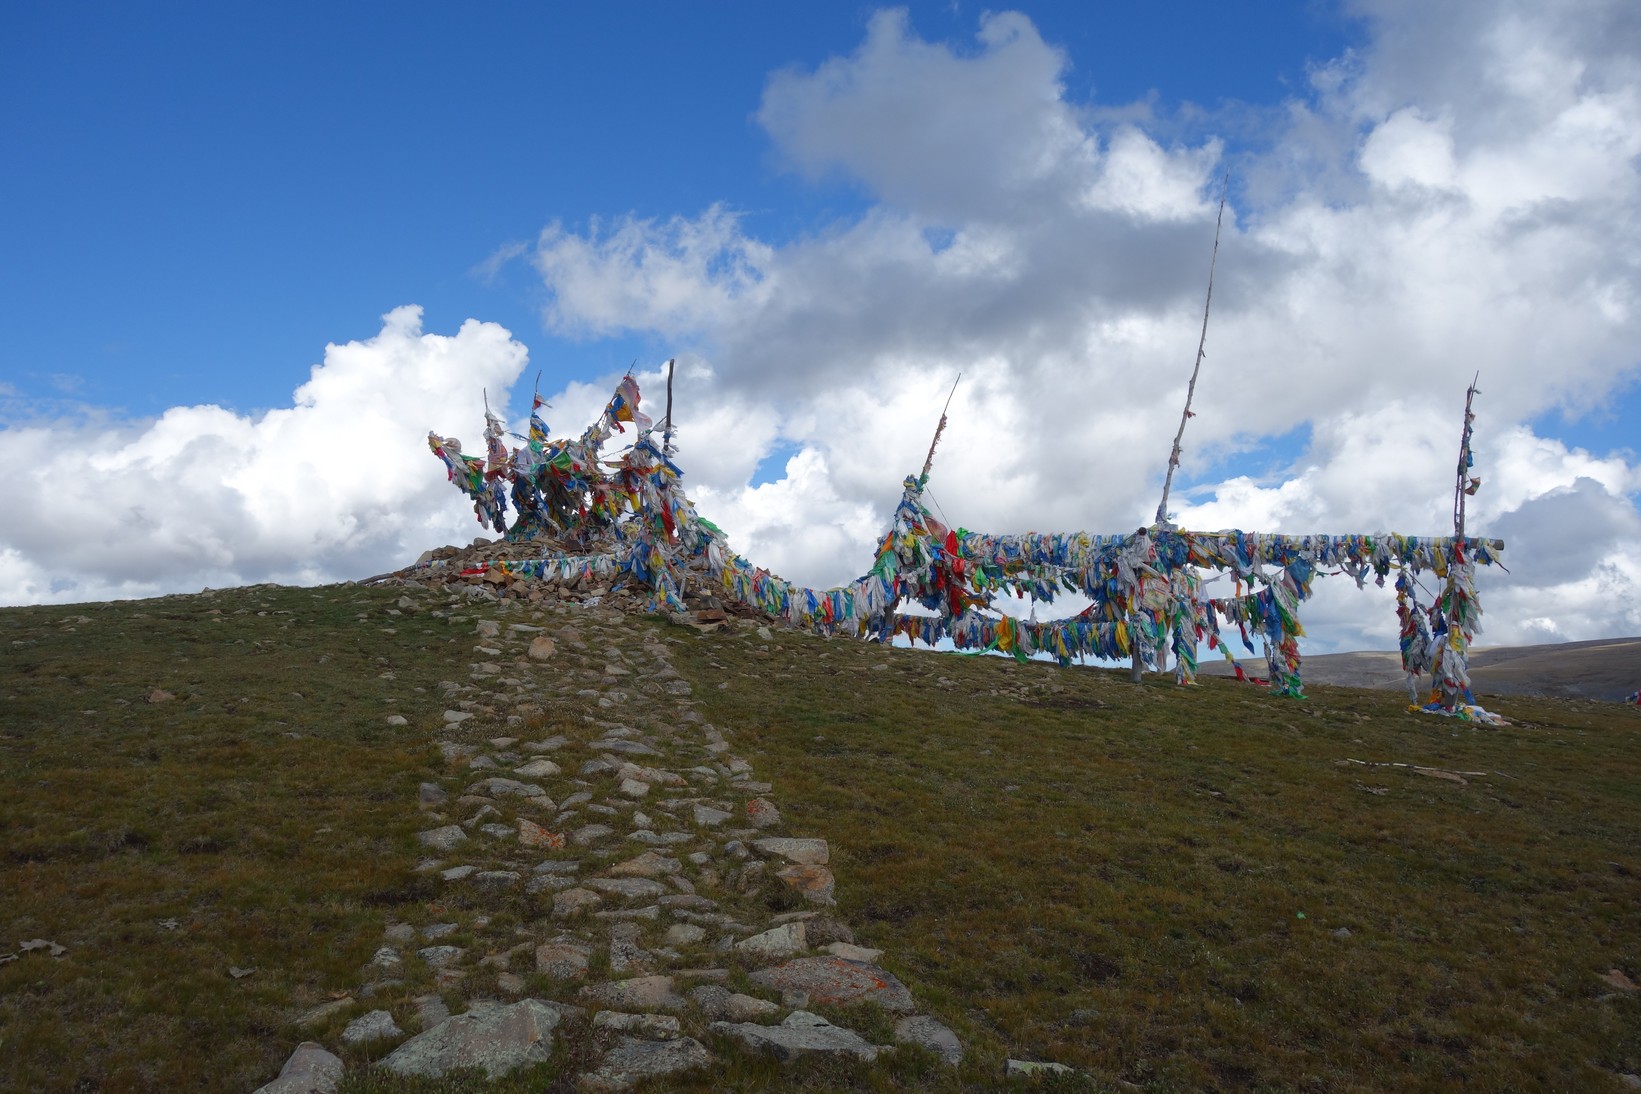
x: 625, y: 884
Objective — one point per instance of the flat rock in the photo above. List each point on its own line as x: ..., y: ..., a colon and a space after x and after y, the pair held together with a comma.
x: 538, y: 769
x: 926, y: 1032
x: 800, y: 1034
x: 782, y: 941
x: 498, y: 787
x: 657, y: 1027
x: 443, y: 839
x: 633, y: 888
x: 633, y: 1061
x: 590, y: 834
x: 456, y: 717
x: 649, y: 864
x: 720, y: 1004
x: 632, y: 788
x: 851, y: 952
x: 685, y: 934
x: 804, y: 852
x: 312, y: 1069
x: 532, y: 834
x: 834, y: 980
x: 708, y: 817
x: 814, y: 883
x: 499, y: 1039
x: 638, y: 993
x: 378, y: 1025
x: 629, y: 748
x: 572, y: 902
x: 761, y: 813
x: 440, y: 956
x: 562, y: 960
x: 1026, y: 1069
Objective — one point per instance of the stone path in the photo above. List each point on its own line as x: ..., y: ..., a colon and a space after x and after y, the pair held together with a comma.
x: 611, y: 884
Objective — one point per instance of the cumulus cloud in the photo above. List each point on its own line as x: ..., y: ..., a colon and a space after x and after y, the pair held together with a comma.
x: 1458, y: 195
x: 338, y: 484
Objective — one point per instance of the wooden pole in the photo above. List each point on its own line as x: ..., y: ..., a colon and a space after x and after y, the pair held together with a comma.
x: 1202, y: 343
x: 928, y: 461
x: 666, y: 442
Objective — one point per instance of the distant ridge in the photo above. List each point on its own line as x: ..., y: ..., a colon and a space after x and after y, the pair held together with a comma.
x: 1605, y: 669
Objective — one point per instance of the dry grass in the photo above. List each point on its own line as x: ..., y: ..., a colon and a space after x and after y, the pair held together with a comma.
x: 1146, y: 883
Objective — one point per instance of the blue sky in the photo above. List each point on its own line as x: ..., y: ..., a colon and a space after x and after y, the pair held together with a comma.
x: 253, y: 253
x: 176, y: 175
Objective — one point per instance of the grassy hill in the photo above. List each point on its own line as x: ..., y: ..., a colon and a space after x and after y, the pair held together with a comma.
x: 1175, y: 889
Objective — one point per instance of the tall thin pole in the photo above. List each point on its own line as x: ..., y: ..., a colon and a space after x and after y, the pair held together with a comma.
x: 1462, y: 487
x: 928, y: 461
x: 1191, y: 390
x: 666, y: 436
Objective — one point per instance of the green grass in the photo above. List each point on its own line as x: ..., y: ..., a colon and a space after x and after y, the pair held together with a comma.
x: 1141, y: 882
x: 1146, y: 882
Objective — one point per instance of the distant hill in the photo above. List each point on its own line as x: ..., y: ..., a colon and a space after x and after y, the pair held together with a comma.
x: 1605, y: 669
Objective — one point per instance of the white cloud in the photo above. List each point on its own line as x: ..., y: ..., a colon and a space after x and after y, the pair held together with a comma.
x: 339, y: 484
x: 1460, y: 195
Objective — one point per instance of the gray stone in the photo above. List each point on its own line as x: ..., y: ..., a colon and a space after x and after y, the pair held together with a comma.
x: 487, y: 628
x: 814, y: 883
x: 927, y: 1033
x: 633, y: 1061
x: 685, y: 934
x: 498, y: 787
x: 556, y: 866
x: 650, y: 864
x: 499, y: 1039
x: 632, y: 888
x: 762, y: 813
x: 538, y: 769
x: 708, y: 817
x: 457, y: 873
x: 721, y: 1004
x: 836, y: 981
x: 562, y: 960
x: 432, y: 794
x: 657, y: 1027
x: 638, y: 993
x: 378, y: 1025
x: 632, y: 788
x: 1026, y: 1069
x: 312, y: 1069
x: 443, y: 839
x: 804, y: 852
x: 501, y: 879
x: 572, y: 902
x: 435, y: 931
x: 397, y: 720
x: 800, y: 1034
x: 850, y: 952
x: 497, y: 831
x: 592, y: 833
x: 629, y: 748
x: 439, y: 956
x: 782, y: 941
x: 430, y: 1011
x: 456, y: 717
x: 325, y: 1010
